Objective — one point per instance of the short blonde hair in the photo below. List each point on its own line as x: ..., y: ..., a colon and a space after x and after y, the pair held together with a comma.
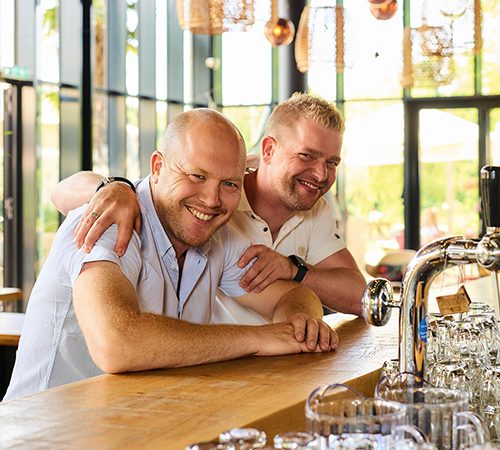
x: 305, y: 106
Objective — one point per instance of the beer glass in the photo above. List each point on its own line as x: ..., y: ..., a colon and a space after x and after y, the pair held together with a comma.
x: 353, y: 421
x: 438, y: 412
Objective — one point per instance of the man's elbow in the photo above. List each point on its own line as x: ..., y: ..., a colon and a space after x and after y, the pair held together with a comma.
x: 111, y: 357
x: 57, y: 201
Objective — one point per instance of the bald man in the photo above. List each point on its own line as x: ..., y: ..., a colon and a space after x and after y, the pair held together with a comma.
x: 92, y: 311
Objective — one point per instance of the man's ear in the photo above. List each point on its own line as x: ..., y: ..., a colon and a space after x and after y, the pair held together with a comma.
x: 268, y: 144
x: 157, y: 163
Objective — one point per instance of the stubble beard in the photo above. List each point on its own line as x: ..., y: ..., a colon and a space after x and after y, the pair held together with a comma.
x: 172, y: 224
x: 289, y: 197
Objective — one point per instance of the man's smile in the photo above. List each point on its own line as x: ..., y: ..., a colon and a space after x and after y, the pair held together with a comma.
x: 199, y: 215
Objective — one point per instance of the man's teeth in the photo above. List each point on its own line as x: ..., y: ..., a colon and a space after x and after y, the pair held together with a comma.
x: 199, y: 215
x: 309, y: 185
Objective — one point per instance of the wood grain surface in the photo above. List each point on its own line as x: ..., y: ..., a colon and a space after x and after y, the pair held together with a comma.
x: 170, y: 408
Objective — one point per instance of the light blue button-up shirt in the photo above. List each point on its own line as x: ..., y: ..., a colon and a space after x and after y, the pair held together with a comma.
x: 52, y: 350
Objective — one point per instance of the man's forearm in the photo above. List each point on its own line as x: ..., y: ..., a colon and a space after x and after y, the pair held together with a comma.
x: 74, y: 191
x: 298, y: 300
x: 339, y: 289
x: 122, y: 338
x: 154, y: 341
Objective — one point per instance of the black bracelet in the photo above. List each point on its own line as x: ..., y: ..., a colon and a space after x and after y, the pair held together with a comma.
x: 108, y: 180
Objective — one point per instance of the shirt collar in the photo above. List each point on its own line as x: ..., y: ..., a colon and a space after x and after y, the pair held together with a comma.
x: 244, y: 205
x: 162, y: 242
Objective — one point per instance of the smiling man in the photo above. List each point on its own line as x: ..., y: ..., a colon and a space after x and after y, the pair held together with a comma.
x: 284, y: 213
x: 94, y: 312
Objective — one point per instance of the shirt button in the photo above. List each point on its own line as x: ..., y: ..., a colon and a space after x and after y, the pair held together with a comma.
x: 252, y: 216
x: 265, y: 229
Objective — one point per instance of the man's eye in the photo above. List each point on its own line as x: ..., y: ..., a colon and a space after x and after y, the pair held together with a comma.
x: 195, y: 178
x: 306, y: 156
x: 332, y: 164
x: 230, y: 185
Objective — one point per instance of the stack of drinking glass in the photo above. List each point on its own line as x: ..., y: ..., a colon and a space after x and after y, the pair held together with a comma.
x: 406, y: 413
x: 463, y: 352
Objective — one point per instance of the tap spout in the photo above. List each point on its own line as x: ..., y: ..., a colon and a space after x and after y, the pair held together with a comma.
x: 429, y: 262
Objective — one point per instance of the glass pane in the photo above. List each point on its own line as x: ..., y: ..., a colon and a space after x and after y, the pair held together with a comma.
x: 161, y: 49
x: 47, y: 169
x: 373, y: 170
x: 494, y: 138
x: 48, y: 58
x: 133, y: 165
x: 132, y: 49
x: 100, y: 134
x: 6, y: 34
x: 449, y: 179
x: 246, y: 68
x: 376, y: 64
x: 2, y: 87
x: 99, y: 19
x: 251, y: 121
x: 491, y: 47
x: 161, y: 120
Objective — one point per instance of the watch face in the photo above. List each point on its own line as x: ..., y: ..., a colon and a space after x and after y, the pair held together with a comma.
x: 298, y: 261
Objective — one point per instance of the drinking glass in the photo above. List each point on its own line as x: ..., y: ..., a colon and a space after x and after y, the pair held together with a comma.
x: 211, y: 446
x: 244, y: 438
x: 353, y: 422
x: 437, y: 412
x: 296, y: 440
x: 390, y: 369
x: 479, y: 308
x: 491, y: 415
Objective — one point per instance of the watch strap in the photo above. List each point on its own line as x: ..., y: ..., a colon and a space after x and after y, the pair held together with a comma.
x: 108, y: 180
x: 301, y: 266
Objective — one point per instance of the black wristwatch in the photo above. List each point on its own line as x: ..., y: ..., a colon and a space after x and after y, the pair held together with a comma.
x: 301, y: 265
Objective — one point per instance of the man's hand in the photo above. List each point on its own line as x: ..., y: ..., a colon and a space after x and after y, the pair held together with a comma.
x: 313, y: 332
x: 281, y: 338
x: 268, y: 267
x: 114, y: 203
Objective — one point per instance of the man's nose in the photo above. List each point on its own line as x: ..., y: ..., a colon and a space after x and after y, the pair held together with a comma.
x: 320, y: 171
x: 210, y: 195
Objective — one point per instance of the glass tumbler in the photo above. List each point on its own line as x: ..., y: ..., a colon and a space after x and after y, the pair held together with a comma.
x: 244, y: 438
x: 438, y: 412
x: 355, y: 422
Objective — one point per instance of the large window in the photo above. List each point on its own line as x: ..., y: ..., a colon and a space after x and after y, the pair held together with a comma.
x: 104, y: 104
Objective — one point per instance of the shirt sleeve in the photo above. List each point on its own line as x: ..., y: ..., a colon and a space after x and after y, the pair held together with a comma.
x: 325, y: 238
x: 130, y: 263
x: 235, y: 245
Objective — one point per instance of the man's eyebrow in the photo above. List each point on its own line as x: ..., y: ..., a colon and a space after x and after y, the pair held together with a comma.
x: 199, y: 171
x: 320, y: 153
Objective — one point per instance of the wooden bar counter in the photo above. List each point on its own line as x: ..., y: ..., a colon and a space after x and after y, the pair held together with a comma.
x: 168, y: 409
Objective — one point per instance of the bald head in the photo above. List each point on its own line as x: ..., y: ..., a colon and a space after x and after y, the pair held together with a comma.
x: 202, y: 120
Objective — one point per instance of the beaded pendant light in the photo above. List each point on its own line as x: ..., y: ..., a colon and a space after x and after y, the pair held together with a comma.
x: 218, y: 16
x: 321, y: 37
x: 429, y: 50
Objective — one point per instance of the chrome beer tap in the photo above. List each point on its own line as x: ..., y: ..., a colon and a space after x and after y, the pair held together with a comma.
x: 430, y: 261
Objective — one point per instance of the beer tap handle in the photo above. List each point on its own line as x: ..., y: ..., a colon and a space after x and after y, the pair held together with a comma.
x: 490, y: 196
x: 488, y: 249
